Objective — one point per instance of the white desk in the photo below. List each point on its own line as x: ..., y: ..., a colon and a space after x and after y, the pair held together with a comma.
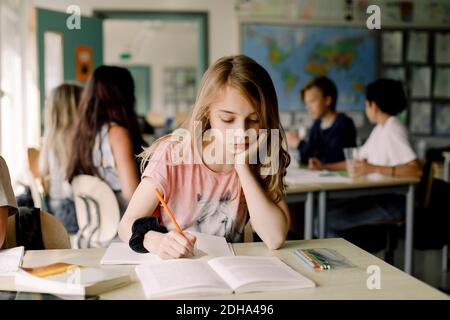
x: 336, y: 284
x: 327, y: 189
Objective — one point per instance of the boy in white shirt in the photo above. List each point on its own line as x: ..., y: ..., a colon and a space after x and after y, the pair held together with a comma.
x: 387, y: 151
x: 8, y: 205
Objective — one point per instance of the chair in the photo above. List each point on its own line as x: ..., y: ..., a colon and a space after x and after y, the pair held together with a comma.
x: 34, y: 179
x: 432, y: 219
x: 248, y: 232
x: 377, y: 236
x: 54, y: 235
x: 98, y: 212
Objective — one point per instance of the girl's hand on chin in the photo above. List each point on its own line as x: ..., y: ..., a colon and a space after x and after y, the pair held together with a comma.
x: 243, y: 158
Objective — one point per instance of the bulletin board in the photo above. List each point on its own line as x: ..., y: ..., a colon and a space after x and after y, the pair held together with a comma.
x: 420, y: 58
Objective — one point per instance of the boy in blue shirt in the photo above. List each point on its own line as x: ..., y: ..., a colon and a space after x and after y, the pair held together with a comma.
x: 331, y: 131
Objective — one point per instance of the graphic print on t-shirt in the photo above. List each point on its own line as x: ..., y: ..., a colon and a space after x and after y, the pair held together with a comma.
x: 214, y: 216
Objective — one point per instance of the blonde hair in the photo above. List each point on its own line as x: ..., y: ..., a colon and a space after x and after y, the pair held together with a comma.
x: 61, y: 116
x: 254, y: 83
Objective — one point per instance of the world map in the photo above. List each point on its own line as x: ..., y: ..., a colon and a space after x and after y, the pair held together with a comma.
x: 293, y: 55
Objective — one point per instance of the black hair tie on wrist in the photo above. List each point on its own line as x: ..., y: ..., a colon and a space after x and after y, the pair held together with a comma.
x: 140, y: 228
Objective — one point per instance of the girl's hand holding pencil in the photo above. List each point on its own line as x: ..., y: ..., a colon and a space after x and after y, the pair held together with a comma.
x: 172, y: 245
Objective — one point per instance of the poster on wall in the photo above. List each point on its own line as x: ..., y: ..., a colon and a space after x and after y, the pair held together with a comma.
x: 83, y: 64
x: 417, y: 47
x: 442, y: 119
x: 396, y: 73
x: 295, y: 54
x: 442, y: 83
x: 392, y: 47
x: 442, y: 48
x: 420, y: 118
x: 421, y: 82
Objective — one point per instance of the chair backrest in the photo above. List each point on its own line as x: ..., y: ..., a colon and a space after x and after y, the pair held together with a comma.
x: 33, y: 161
x: 248, y: 232
x: 54, y: 235
x: 34, y: 178
x: 97, y: 209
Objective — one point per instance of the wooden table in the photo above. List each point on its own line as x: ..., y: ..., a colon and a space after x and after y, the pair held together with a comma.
x: 362, y: 186
x: 350, y: 283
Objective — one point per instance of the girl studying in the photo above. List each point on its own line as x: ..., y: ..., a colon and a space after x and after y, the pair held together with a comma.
x: 215, y: 196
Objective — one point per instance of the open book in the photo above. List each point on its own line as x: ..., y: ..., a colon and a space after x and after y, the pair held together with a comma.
x: 76, y: 281
x: 185, y: 277
x: 205, y: 246
x: 10, y: 260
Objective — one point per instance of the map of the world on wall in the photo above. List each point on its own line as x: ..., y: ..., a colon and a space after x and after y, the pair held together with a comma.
x: 294, y: 55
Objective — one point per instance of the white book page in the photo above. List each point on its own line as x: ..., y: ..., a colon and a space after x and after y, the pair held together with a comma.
x: 209, y: 245
x: 10, y: 260
x: 121, y: 253
x: 72, y: 282
x: 206, y: 246
x: 87, y: 276
x: 258, y: 273
x: 178, y: 277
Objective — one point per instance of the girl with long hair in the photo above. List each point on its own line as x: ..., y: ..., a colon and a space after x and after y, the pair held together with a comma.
x: 107, y: 137
x: 207, y: 192
x: 61, y: 115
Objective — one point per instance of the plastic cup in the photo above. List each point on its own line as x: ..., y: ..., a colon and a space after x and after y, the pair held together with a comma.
x: 351, y: 154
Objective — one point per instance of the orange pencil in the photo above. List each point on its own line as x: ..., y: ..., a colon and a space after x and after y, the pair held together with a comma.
x: 169, y: 213
x: 316, y: 263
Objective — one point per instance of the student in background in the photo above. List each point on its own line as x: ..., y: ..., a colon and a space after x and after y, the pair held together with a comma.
x: 331, y: 131
x: 8, y: 205
x: 236, y: 94
x: 387, y: 151
x: 61, y: 116
x: 107, y: 136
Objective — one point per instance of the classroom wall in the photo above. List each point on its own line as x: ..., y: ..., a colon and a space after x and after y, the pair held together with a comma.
x: 169, y: 44
x: 224, y: 16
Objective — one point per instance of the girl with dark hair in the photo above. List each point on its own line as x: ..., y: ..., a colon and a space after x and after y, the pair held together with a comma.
x: 107, y: 136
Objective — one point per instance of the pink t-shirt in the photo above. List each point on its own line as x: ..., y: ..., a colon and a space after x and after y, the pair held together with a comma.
x: 200, y: 199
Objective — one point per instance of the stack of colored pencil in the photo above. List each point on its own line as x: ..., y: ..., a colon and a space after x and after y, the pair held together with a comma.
x: 313, y: 259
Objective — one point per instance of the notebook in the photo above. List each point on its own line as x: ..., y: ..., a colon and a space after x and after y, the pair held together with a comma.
x: 187, y: 277
x: 119, y: 253
x: 10, y: 260
x: 306, y: 176
x: 84, y: 281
